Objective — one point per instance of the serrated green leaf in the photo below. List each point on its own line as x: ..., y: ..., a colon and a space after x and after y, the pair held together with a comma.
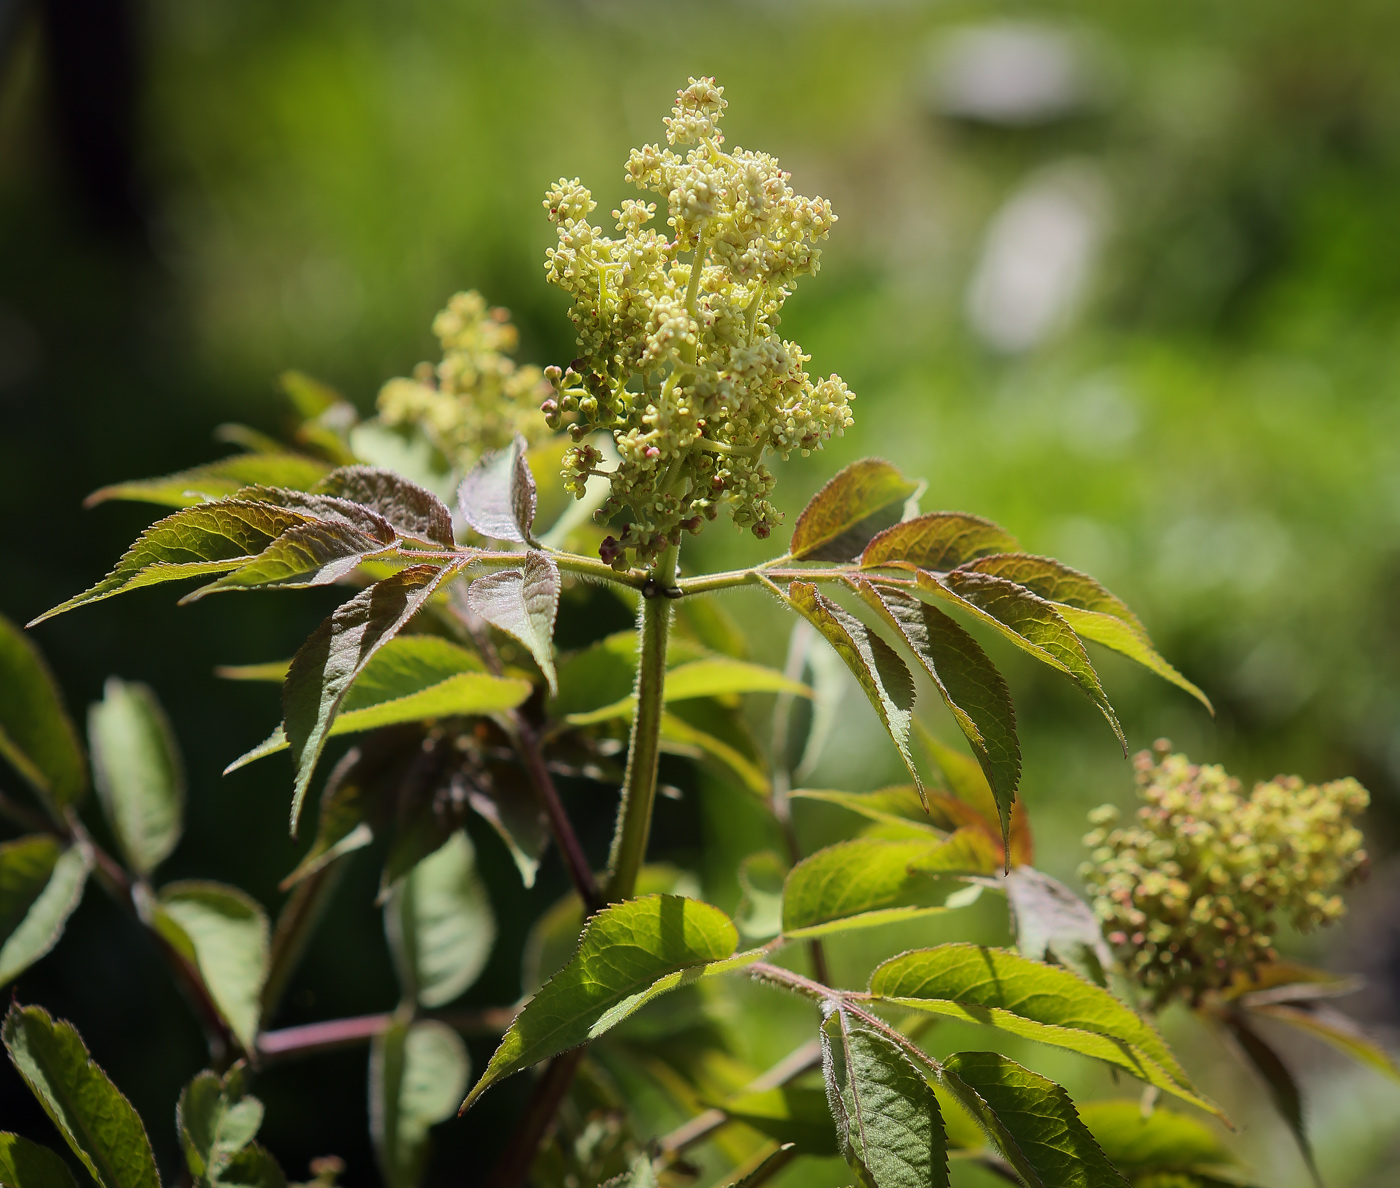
x: 888, y: 1123
x: 224, y: 933
x: 1042, y: 1002
x: 713, y: 677
x: 36, y: 734
x: 218, y: 480
x: 417, y: 1075
x: 523, y: 603
x: 138, y: 771
x: 413, y: 511
x: 1032, y: 624
x: 440, y: 924
x: 1030, y: 1120
x: 209, y: 538
x: 1335, y: 1028
x: 629, y: 953
x: 314, y: 554
x: 1159, y: 1141
x: 1052, y: 923
x: 216, y: 1119
x: 969, y: 683
x: 939, y: 540
x: 41, y: 884
x: 1089, y: 608
x: 28, y: 1165
x: 859, y: 501
x: 867, y: 881
x: 337, y: 652
x: 881, y: 673
x: 497, y: 497
x: 97, y: 1122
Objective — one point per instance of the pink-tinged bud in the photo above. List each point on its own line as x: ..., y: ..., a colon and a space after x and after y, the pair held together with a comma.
x: 652, y: 452
x: 610, y: 550
x: 762, y: 530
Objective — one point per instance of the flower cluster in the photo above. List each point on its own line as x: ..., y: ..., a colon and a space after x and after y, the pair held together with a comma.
x: 679, y: 355
x: 1189, y: 890
x: 476, y: 399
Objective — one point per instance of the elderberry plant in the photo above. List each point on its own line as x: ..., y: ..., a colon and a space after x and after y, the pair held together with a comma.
x: 441, y: 664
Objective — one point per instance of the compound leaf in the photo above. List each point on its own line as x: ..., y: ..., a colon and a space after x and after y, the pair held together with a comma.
x: 413, y: 511
x: 1031, y: 1120
x: 888, y: 1123
x: 218, y: 480
x: 440, y: 925
x: 939, y: 540
x: 36, y: 735
x: 28, y: 1165
x: 41, y: 883
x: 1002, y: 989
x: 99, y: 1124
x: 497, y: 498
x: 417, y: 1075
x: 859, y: 501
x: 877, y: 666
x: 312, y: 554
x: 223, y: 932
x: 523, y: 603
x: 629, y: 953
x: 138, y: 771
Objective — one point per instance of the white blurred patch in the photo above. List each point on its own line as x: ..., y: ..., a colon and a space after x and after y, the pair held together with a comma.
x: 1013, y: 73
x: 1099, y: 417
x: 1037, y: 258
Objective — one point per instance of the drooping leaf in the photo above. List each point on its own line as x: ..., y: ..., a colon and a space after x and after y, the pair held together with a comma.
x: 41, y: 883
x: 1031, y: 623
x: 629, y: 953
x: 1002, y: 989
x: 97, y: 1122
x: 417, y: 1075
x: 28, y: 1165
x: 968, y: 784
x: 413, y: 511
x: 497, y: 498
x: 216, y: 1118
x: 939, y: 540
x: 523, y: 603
x: 969, y: 683
x: 440, y: 924
x: 218, y: 480
x: 865, y: 882
x: 1053, y: 923
x: 760, y: 913
x: 336, y: 653
x: 859, y: 501
x: 888, y: 1123
x: 1031, y: 1120
x: 513, y: 811
x: 138, y: 771
x: 1162, y: 1141
x: 1089, y: 608
x: 36, y: 735
x: 1335, y: 1028
x: 312, y: 554
x: 881, y: 673
x: 209, y: 538
x: 224, y: 933
x: 714, y: 677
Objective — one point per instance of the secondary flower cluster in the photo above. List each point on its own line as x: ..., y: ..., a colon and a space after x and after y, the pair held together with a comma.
x: 477, y: 398
x: 679, y: 356
x: 1189, y: 890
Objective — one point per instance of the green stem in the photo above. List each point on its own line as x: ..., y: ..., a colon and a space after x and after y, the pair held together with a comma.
x: 639, y: 786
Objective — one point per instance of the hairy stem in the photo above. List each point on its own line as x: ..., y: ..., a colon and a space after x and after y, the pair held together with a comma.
x: 639, y: 786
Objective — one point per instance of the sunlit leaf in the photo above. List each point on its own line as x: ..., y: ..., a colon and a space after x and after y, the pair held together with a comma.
x: 413, y: 511
x: 36, y: 735
x: 1031, y: 1120
x: 100, y: 1126
x: 314, y: 554
x: 224, y: 933
x: 858, y: 502
x: 417, y: 1074
x: 881, y: 673
x: 218, y: 480
x: 28, y: 1165
x: 629, y: 954
x: 440, y: 924
x: 888, y: 1122
x: 714, y: 677
x: 523, y: 603
x: 1161, y: 1141
x: 497, y: 497
x: 939, y: 540
x: 1053, y: 923
x: 1026, y: 998
x: 41, y: 883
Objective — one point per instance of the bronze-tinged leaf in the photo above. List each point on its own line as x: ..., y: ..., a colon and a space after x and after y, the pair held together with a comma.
x: 859, y: 501
x: 939, y: 540
x: 413, y: 511
x: 498, y: 497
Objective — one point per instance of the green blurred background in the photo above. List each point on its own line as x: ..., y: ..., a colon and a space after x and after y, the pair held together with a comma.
x: 1124, y: 278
